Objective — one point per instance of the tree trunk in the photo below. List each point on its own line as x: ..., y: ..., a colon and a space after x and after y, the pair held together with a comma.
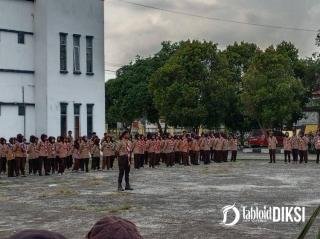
x: 159, y: 127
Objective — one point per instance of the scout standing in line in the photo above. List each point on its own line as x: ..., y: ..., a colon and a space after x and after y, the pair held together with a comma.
x: 32, y: 155
x: 84, y: 154
x: 52, y: 155
x: 157, y: 150
x: 95, y: 153
x: 185, y: 150
x: 295, y: 147
x: 317, y: 145
x: 76, y: 155
x: 287, y: 147
x: 151, y: 151
x: 303, y: 147
x: 170, y: 151
x: 43, y: 155
x: 19, y: 153
x: 233, y: 147
x: 272, y: 146
x: 225, y: 148
x: 11, y: 158
x: 107, y: 147
x: 123, y: 161
x: 3, y: 158
x: 219, y: 148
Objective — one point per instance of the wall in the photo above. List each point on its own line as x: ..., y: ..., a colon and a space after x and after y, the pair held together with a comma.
x: 85, y: 17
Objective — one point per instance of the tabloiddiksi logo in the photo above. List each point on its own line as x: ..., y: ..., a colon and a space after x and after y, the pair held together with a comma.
x: 262, y: 214
x: 225, y: 211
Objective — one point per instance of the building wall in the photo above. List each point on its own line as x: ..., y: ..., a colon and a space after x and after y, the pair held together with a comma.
x: 11, y: 124
x: 16, y: 15
x: 47, y: 87
x: 85, y: 17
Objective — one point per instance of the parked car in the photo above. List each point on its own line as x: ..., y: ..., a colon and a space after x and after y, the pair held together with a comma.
x: 258, y: 138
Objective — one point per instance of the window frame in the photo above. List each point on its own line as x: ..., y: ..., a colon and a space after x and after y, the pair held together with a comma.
x: 63, y: 49
x: 76, y: 50
x: 89, y: 55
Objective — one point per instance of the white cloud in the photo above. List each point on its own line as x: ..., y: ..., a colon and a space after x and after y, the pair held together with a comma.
x: 132, y: 30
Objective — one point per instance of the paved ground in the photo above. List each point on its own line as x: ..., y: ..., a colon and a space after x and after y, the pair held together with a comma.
x: 179, y: 202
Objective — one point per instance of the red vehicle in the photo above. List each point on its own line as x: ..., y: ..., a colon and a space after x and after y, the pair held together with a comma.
x: 258, y: 138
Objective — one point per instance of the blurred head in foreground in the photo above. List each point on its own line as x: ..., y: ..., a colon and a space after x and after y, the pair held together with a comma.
x: 37, y: 234
x: 114, y: 228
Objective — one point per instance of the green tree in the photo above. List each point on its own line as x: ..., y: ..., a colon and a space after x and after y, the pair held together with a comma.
x: 272, y: 95
x: 191, y: 89
x: 128, y: 97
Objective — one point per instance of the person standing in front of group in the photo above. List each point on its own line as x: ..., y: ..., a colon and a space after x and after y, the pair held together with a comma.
x: 123, y: 161
x: 317, y: 145
x: 233, y: 143
x: 287, y: 147
x: 272, y: 146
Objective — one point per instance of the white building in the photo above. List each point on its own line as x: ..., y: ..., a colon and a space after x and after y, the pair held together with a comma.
x: 51, y: 67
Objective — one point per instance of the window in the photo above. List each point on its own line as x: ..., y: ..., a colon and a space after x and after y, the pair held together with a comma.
x: 76, y: 109
x: 89, y: 119
x: 89, y: 54
x: 20, y: 37
x: 21, y: 110
x: 63, y: 118
x: 76, y: 54
x: 63, y: 53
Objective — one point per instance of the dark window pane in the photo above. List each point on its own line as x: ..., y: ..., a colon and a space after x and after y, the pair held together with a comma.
x: 21, y: 38
x: 21, y: 110
x: 89, y: 126
x: 63, y: 52
x: 89, y: 119
x: 76, y: 53
x: 63, y: 125
x: 76, y: 109
x: 63, y: 108
x: 89, y: 54
x: 63, y: 118
x: 77, y: 126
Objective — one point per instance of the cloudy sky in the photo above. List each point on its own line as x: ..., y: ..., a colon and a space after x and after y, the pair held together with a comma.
x: 133, y: 30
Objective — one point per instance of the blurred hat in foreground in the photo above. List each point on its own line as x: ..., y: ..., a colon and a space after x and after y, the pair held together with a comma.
x: 114, y: 228
x: 37, y: 234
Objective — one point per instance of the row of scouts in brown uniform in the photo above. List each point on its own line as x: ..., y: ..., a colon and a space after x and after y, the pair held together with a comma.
x: 297, y: 146
x: 48, y: 155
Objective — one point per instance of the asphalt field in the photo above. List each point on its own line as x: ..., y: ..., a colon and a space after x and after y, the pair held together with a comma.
x: 179, y: 202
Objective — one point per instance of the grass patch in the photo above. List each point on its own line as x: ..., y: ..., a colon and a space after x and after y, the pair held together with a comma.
x: 103, y: 208
x: 59, y: 191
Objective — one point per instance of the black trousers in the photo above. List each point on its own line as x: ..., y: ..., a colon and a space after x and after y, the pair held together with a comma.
x: 272, y: 154
x: 318, y: 155
x: 124, y: 168
x: 225, y: 155
x: 11, y: 167
x: 20, y: 165
x: 206, y: 156
x: 295, y: 153
x: 234, y: 155
x: 46, y: 165
x: 3, y: 165
x: 38, y: 165
x: 54, y: 164
x: 84, y: 164
x: 138, y: 160
x: 61, y: 165
x: 170, y: 159
x: 303, y: 156
x: 152, y: 159
x: 95, y: 163
x: 32, y: 168
x: 287, y: 156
